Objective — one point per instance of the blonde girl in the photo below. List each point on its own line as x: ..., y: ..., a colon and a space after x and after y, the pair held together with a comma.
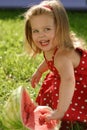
x: 65, y: 87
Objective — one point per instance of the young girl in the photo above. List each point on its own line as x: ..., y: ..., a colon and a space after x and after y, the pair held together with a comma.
x: 65, y: 87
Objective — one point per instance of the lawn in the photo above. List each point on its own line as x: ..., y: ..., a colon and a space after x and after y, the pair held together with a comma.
x: 16, y: 67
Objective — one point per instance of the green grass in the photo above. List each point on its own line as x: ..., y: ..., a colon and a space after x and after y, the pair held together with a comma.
x: 78, y: 23
x: 16, y: 67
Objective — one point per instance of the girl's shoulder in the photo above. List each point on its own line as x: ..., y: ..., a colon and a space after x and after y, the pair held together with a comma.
x: 74, y: 56
x: 70, y: 52
x: 62, y: 56
x: 62, y: 53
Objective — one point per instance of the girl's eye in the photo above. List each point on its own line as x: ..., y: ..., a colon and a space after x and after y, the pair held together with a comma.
x: 47, y: 29
x: 35, y: 31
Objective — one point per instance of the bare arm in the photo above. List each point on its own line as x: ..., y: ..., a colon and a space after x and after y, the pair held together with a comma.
x: 38, y: 73
x: 67, y: 85
x: 43, y: 67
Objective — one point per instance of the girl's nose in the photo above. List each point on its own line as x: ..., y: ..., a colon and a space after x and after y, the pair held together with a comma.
x: 41, y: 34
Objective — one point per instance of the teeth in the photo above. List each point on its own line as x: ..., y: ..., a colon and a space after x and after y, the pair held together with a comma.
x: 44, y: 42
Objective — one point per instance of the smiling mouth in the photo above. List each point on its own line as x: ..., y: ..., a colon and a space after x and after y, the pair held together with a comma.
x: 44, y: 43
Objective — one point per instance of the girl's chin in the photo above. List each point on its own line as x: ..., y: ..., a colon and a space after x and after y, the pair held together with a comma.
x: 46, y: 48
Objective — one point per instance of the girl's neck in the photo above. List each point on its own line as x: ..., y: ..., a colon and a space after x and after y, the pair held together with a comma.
x: 50, y: 53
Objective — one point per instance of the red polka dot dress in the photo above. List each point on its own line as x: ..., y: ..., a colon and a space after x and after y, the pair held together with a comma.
x: 49, y: 92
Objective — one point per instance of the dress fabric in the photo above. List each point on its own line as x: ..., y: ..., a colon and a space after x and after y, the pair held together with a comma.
x: 49, y: 92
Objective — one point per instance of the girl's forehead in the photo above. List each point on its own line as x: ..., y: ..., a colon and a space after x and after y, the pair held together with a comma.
x: 42, y: 20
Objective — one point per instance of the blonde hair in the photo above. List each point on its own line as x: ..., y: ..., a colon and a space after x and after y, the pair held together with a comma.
x: 57, y: 11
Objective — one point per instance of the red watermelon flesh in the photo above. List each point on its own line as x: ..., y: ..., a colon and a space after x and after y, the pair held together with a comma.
x: 33, y: 116
x: 27, y: 110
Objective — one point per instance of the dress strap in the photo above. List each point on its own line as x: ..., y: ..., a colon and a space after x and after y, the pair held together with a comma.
x: 54, y: 53
x: 52, y: 56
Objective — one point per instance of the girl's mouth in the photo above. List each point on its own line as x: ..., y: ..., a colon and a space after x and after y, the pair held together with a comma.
x: 44, y: 43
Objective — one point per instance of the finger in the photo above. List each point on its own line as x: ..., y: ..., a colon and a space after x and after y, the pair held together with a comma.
x: 47, y: 118
x: 33, y: 83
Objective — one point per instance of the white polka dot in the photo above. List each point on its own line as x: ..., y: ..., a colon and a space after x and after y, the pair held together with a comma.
x: 81, y: 78
x: 85, y: 86
x: 78, y: 117
x: 82, y: 91
x: 82, y: 107
x: 78, y: 82
x: 73, y: 109
x: 84, y: 55
x: 55, y: 82
x: 45, y: 83
x: 76, y: 104
x: 83, y: 62
x: 39, y: 95
x: 67, y: 115
x: 45, y: 99
x: 47, y: 95
x: 80, y: 112
x: 56, y: 94
x: 50, y: 91
x: 85, y: 120
x: 85, y: 100
x: 82, y: 68
x: 75, y: 71
x: 79, y: 98
x: 50, y: 101
x: 55, y: 88
x: 57, y: 100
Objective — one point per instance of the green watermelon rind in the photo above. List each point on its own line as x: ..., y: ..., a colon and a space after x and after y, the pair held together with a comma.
x: 11, y: 118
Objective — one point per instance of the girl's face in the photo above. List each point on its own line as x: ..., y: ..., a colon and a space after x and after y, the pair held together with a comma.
x: 43, y: 32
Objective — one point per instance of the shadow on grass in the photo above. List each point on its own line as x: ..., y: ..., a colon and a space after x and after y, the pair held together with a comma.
x: 11, y: 13
x: 78, y: 23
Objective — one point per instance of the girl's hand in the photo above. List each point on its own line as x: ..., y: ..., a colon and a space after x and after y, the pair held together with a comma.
x: 55, y: 115
x: 36, y: 78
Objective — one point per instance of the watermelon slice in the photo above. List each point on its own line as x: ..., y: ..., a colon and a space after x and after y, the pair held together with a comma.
x: 11, y: 114
x: 21, y: 113
x: 33, y: 116
x: 27, y: 110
